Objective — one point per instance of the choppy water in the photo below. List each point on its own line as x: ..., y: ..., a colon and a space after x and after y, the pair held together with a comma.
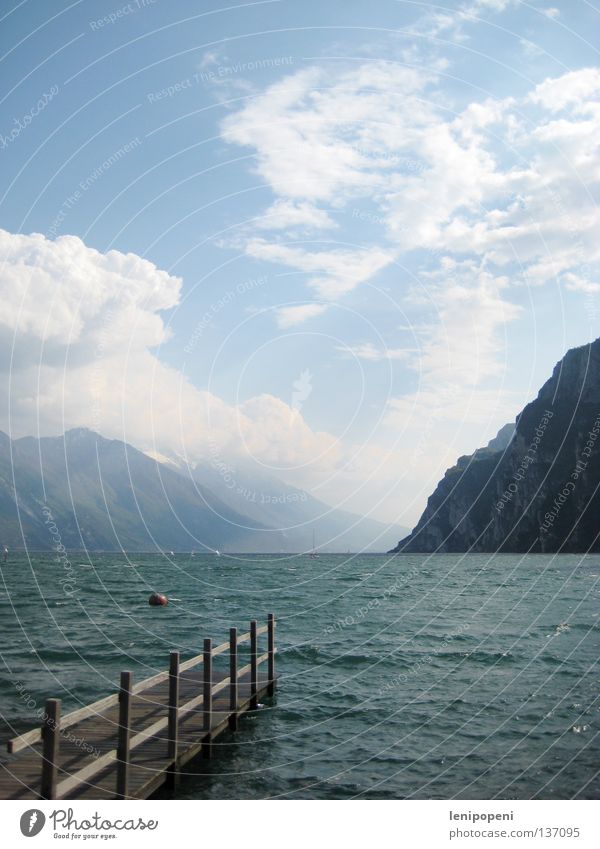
x: 407, y: 677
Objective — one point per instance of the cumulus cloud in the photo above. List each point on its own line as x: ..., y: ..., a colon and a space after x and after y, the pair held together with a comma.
x: 54, y: 291
x: 80, y: 330
x: 576, y: 88
x: 277, y: 435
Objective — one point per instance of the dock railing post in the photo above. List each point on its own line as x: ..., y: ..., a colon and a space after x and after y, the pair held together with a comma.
x: 124, y: 735
x: 271, y: 650
x: 207, y: 697
x: 253, y: 665
x: 50, y: 748
x: 233, y: 680
x: 173, y: 705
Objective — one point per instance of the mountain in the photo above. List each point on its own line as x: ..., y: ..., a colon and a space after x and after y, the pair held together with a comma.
x: 533, y: 488
x: 103, y: 494
x: 291, y: 515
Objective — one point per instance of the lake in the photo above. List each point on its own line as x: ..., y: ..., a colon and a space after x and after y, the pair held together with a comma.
x: 414, y: 676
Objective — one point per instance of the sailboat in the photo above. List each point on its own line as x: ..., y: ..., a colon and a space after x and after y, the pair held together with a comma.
x: 314, y: 553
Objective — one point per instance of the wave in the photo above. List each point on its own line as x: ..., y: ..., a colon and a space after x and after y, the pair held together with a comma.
x: 487, y: 658
x: 304, y: 652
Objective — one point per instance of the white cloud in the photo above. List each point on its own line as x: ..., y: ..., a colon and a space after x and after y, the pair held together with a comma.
x: 210, y: 57
x: 64, y: 291
x: 575, y: 88
x: 530, y: 48
x: 474, y: 183
x: 368, y: 351
x: 78, y: 331
x: 450, y: 23
x: 462, y: 345
x: 331, y: 273
x: 278, y: 437
x: 315, y: 133
x: 575, y: 283
x: 291, y: 316
x: 498, y: 194
x: 287, y: 215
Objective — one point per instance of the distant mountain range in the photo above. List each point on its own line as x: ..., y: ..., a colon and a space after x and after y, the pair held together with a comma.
x: 535, y: 488
x: 103, y: 494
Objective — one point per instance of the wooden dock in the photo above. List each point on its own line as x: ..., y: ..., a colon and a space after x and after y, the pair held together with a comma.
x: 130, y: 743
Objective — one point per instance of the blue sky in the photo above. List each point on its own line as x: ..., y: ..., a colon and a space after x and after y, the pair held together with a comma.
x: 342, y: 241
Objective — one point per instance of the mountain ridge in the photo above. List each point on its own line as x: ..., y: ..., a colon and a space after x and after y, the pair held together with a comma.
x: 537, y: 493
x: 104, y: 494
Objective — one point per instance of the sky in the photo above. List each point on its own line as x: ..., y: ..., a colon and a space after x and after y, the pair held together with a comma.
x: 342, y: 243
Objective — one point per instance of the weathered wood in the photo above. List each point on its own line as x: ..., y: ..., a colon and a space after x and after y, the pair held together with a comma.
x: 131, y: 741
x: 83, y: 776
x: 233, y: 679
x: 173, y: 705
x: 271, y: 653
x: 124, y: 736
x: 220, y: 649
x: 248, y: 635
x: 50, y: 748
x: 253, y: 664
x: 30, y: 738
x: 207, y: 706
x: 72, y: 718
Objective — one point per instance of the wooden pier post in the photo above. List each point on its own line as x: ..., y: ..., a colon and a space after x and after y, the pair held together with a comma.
x: 50, y: 748
x: 124, y: 735
x: 207, y: 696
x: 253, y: 665
x: 172, y: 706
x: 233, y: 680
x: 271, y: 650
x: 173, y: 732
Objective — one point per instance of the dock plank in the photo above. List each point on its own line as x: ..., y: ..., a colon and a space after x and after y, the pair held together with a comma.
x: 151, y: 766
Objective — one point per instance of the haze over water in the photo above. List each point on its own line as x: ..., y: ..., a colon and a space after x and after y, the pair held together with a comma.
x: 407, y: 677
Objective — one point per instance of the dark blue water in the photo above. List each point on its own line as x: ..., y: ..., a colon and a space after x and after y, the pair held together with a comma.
x: 409, y: 677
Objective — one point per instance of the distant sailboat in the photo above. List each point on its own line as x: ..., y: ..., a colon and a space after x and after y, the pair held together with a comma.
x: 314, y: 553
x: 217, y: 552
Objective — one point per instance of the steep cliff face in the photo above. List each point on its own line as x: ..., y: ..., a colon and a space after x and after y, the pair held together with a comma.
x: 536, y: 488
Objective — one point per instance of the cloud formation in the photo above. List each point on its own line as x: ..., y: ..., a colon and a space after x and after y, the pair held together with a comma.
x: 80, y: 330
x: 500, y: 190
x: 376, y: 177
x: 480, y: 198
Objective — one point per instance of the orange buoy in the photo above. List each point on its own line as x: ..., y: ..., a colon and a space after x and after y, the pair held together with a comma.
x: 158, y: 600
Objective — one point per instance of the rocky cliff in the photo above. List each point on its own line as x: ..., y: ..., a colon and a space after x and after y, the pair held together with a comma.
x: 533, y: 488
